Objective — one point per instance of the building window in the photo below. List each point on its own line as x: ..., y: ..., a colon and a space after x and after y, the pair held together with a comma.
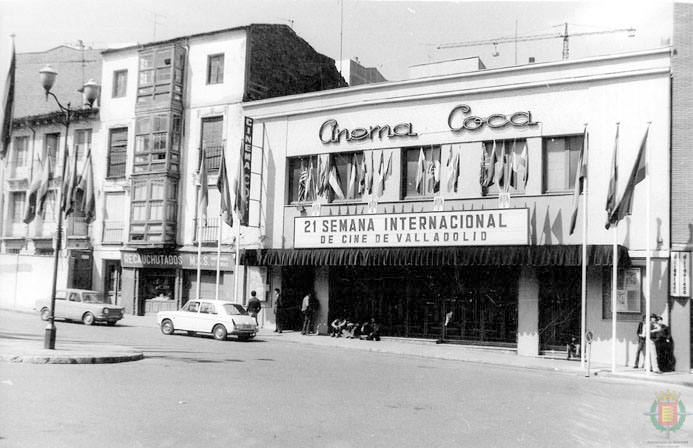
x: 17, y: 206
x: 422, y: 171
x: 156, y: 70
x: 151, y: 143
x: 629, y: 295
x: 117, y: 152
x: 215, y: 69
x: 510, y: 166
x: 152, y: 211
x: 560, y: 162
x: 21, y: 151
x: 120, y: 83
x: 212, y: 142
x: 50, y: 147
x: 82, y: 146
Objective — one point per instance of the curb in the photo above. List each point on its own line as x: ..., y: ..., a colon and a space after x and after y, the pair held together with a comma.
x: 71, y: 359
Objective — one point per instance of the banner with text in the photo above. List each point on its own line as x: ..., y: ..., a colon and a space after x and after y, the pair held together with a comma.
x: 454, y: 228
x: 208, y: 261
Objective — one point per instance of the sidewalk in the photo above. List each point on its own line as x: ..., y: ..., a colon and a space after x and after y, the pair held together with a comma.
x: 19, y: 350
x: 480, y: 355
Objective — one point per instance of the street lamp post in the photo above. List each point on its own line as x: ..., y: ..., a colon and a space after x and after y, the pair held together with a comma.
x: 90, y: 90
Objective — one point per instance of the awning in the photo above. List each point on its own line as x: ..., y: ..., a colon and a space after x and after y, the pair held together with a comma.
x: 563, y: 255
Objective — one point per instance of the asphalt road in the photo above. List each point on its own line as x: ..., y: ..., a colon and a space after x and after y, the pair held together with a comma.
x: 198, y: 392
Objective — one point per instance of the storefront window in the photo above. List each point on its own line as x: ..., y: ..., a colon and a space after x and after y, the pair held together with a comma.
x: 422, y: 171
x: 158, y: 284
x: 561, y: 156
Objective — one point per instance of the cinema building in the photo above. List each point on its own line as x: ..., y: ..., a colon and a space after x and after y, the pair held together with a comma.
x: 452, y: 196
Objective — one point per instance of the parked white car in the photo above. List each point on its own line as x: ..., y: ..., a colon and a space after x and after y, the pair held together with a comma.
x: 219, y: 317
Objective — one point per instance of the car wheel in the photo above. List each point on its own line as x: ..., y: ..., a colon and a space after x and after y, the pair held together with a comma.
x: 45, y: 313
x: 88, y: 319
x: 219, y: 332
x: 167, y: 327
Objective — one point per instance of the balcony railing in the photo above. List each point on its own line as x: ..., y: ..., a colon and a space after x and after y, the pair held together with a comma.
x: 77, y: 227
x: 113, y: 232
x: 209, y: 232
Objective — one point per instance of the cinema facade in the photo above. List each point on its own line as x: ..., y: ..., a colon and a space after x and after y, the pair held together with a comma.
x: 449, y: 198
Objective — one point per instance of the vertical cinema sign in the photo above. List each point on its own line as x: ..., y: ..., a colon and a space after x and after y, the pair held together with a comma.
x: 243, y: 201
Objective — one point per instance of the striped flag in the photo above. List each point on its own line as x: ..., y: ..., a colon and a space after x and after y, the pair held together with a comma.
x: 224, y: 192
x: 421, y: 173
x: 333, y: 178
x: 369, y: 170
x: 303, y: 183
x: 351, y: 188
x: 611, y: 194
x: 202, y: 193
x: 8, y: 106
x: 488, y: 165
x: 580, y: 177
x: 453, y: 171
x: 625, y: 204
x: 379, y: 176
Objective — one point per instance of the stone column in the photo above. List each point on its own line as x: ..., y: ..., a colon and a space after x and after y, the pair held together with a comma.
x: 528, y: 313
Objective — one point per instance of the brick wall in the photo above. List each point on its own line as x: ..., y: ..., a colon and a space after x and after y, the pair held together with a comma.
x: 682, y: 128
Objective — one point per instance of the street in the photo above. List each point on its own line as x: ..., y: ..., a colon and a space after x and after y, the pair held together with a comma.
x: 195, y: 391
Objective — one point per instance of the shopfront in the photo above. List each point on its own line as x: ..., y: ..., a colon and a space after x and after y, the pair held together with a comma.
x: 161, y: 281
x: 451, y: 200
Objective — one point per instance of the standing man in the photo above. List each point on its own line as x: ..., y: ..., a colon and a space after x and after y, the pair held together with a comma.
x: 254, y: 306
x: 278, y: 311
x: 307, y: 310
x: 641, y: 342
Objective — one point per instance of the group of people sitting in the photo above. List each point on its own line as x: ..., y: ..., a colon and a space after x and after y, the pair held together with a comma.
x: 342, y: 327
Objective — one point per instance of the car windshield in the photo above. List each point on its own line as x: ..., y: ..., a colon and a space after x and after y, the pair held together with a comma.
x: 233, y: 309
x: 94, y: 297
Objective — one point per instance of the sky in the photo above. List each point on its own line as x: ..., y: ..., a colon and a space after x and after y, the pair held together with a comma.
x: 388, y: 35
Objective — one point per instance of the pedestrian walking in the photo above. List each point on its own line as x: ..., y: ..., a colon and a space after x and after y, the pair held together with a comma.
x: 641, y: 342
x: 254, y: 306
x: 278, y: 307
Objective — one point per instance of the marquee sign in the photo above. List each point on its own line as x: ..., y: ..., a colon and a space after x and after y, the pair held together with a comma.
x: 457, y: 120
x: 175, y: 260
x: 451, y: 228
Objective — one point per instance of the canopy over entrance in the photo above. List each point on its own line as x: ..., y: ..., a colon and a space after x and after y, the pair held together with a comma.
x: 556, y: 255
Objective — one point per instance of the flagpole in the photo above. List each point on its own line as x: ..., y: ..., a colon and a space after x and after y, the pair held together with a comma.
x: 614, y: 286
x: 219, y: 223
x: 238, y: 258
x: 583, y: 291
x: 199, y: 251
x: 648, y: 260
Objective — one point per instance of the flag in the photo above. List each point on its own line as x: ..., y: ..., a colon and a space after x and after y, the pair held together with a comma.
x: 85, y: 191
x: 42, y: 193
x: 453, y: 171
x: 362, y: 175
x: 333, y: 178
x: 499, y: 154
x: 637, y: 174
x: 435, y: 165
x: 351, y: 188
x: 369, y: 170
x: 523, y: 166
x: 580, y: 176
x: 8, y: 106
x: 224, y: 192
x: 312, y: 178
x: 488, y: 165
x: 69, y: 183
x: 202, y: 193
x: 31, y: 194
x: 513, y: 160
x: 421, y: 172
x: 302, y: 186
x: 611, y: 194
x: 379, y: 186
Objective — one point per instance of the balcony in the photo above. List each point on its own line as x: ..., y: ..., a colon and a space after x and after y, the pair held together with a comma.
x: 209, y: 232
x: 113, y: 232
